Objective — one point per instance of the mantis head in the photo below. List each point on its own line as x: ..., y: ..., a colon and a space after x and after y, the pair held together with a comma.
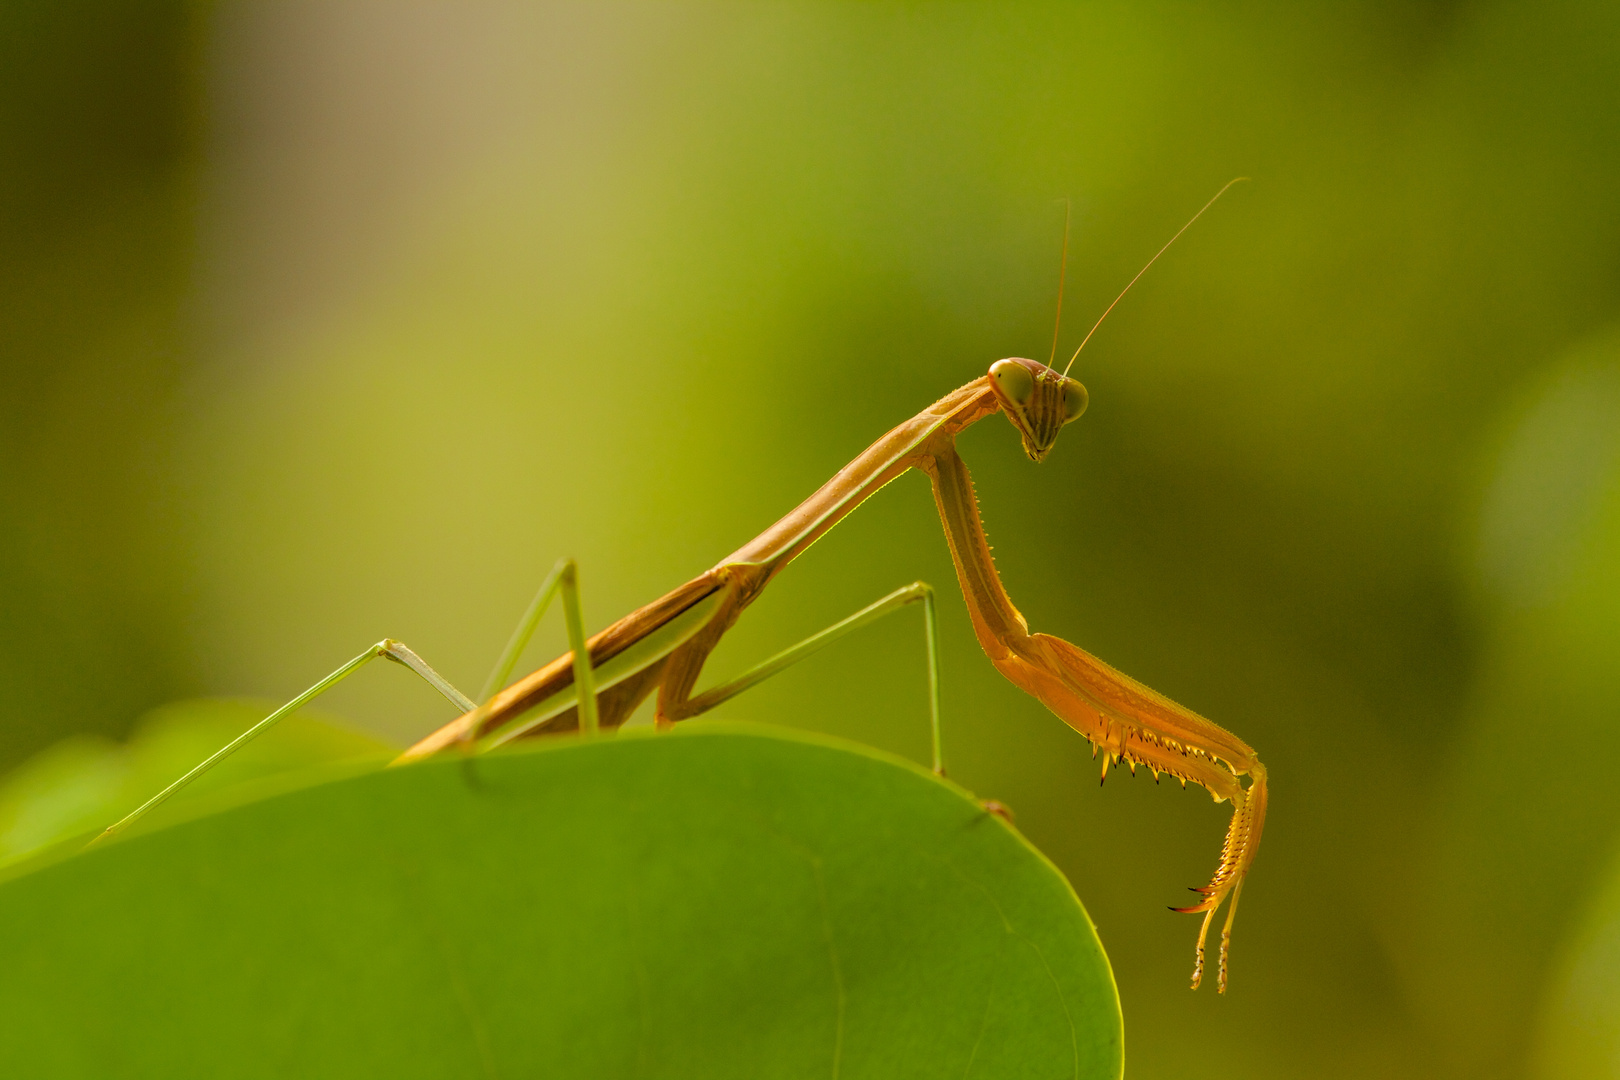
x: 1038, y: 400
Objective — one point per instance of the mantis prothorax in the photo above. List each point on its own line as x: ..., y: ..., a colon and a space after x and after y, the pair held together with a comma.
x: 664, y: 645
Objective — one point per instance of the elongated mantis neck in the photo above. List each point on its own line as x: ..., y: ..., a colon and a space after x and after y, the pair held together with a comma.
x: 899, y: 449
x: 742, y: 574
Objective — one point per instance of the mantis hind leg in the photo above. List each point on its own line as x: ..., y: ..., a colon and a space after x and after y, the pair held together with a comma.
x: 676, y: 706
x: 564, y: 579
x: 389, y: 649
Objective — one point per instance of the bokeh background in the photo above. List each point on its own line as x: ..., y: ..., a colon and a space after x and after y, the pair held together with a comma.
x: 321, y: 322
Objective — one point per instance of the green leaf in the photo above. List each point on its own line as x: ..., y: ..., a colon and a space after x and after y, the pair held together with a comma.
x: 727, y: 901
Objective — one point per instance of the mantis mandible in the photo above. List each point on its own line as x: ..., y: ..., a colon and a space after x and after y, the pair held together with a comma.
x: 662, y: 646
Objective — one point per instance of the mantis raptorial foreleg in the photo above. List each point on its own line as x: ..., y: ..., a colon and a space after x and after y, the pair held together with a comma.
x: 1126, y: 720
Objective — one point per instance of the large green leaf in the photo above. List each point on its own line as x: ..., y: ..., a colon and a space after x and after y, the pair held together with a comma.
x: 727, y: 901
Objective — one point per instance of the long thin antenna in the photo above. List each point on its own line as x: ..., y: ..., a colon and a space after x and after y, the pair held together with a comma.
x: 1063, y: 269
x: 1150, y: 262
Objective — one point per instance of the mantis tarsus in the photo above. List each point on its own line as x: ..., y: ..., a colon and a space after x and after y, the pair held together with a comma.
x: 600, y: 682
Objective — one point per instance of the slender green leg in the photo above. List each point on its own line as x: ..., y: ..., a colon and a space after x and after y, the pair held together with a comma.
x: 931, y: 623
x: 564, y: 578
x: 502, y: 671
x: 392, y: 650
x: 911, y: 594
x: 584, y: 677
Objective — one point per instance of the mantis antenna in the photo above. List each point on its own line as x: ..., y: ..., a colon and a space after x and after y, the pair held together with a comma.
x: 1063, y: 268
x: 1139, y: 273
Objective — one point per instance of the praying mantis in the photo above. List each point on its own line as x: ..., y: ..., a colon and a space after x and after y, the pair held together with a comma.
x: 663, y: 646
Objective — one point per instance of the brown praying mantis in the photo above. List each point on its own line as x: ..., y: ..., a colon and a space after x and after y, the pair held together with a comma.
x: 662, y: 646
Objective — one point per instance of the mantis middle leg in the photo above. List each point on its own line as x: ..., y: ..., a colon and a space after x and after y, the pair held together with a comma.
x: 675, y: 674
x: 917, y: 592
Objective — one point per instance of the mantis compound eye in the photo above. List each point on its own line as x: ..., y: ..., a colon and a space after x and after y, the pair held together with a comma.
x: 1013, y: 380
x: 1075, y: 400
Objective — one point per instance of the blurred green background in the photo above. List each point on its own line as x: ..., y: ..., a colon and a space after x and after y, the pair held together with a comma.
x: 321, y: 322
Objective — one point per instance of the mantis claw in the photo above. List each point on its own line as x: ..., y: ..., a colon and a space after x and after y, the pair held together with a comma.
x: 991, y: 806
